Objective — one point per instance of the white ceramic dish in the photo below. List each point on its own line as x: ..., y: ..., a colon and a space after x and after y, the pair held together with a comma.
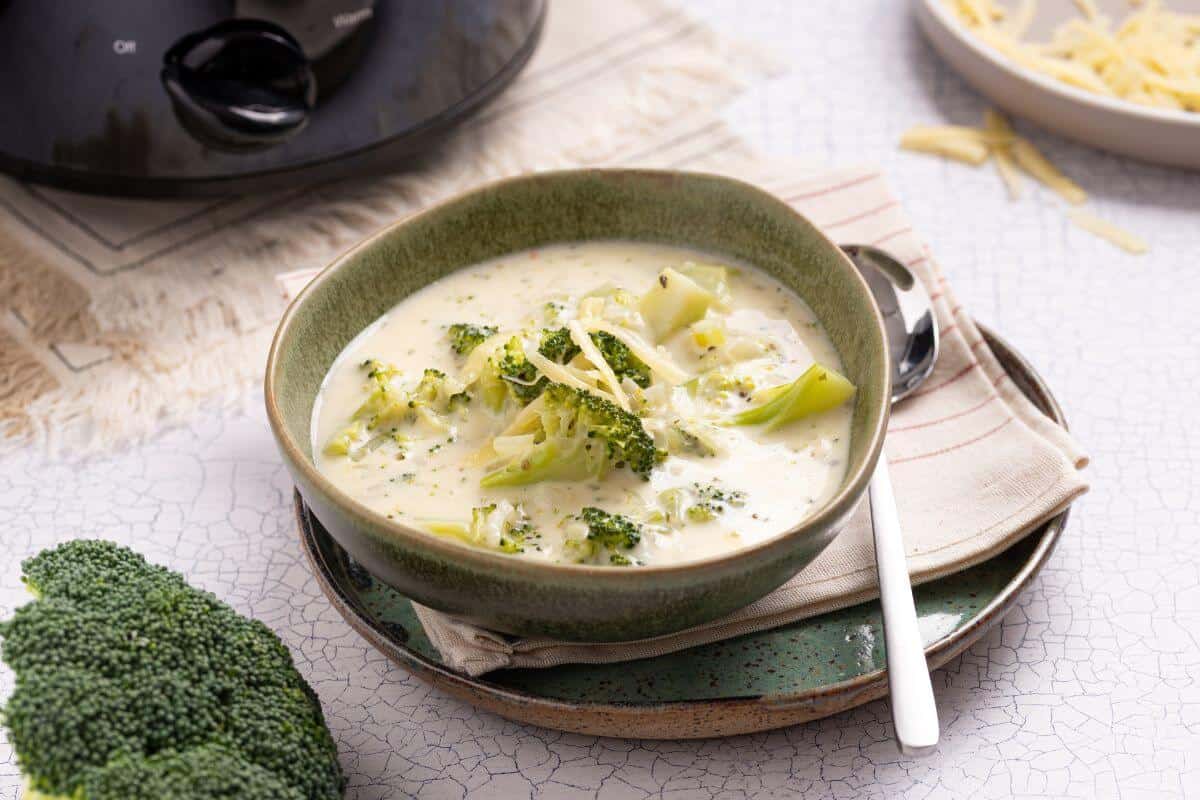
x: 1163, y: 136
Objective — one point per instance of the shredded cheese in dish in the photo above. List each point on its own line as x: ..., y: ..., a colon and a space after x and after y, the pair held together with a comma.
x: 1151, y: 58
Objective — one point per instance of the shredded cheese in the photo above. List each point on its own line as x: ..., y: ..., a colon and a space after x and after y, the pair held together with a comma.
x: 658, y: 362
x: 592, y: 353
x: 1006, y: 167
x: 1030, y: 159
x: 944, y: 141
x: 1151, y: 58
x: 560, y: 373
x: 1106, y: 230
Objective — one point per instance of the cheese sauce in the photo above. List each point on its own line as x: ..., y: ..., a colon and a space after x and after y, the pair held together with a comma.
x: 430, y: 477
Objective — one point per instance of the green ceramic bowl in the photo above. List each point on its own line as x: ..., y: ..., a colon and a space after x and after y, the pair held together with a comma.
x: 574, y: 602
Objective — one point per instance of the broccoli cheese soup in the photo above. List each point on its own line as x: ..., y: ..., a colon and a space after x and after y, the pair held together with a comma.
x: 604, y: 403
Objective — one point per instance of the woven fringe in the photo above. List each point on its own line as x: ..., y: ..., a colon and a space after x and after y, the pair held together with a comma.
x: 54, y: 306
x: 23, y: 379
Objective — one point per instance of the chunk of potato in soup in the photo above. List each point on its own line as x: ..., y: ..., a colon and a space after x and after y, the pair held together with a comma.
x: 579, y: 404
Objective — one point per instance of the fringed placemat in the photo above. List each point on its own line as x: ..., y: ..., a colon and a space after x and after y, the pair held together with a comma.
x: 118, y: 317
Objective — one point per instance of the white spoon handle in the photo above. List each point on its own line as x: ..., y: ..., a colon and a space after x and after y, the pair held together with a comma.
x: 913, y: 709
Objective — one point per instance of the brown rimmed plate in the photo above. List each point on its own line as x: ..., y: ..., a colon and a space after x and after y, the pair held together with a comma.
x: 771, y: 679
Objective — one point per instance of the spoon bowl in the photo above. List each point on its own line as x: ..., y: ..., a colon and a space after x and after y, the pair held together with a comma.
x: 912, y: 335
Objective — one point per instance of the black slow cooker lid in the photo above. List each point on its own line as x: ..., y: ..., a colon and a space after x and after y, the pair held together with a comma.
x: 146, y: 97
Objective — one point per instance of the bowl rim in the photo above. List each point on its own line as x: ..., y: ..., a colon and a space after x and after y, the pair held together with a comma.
x: 1064, y: 91
x: 836, y: 508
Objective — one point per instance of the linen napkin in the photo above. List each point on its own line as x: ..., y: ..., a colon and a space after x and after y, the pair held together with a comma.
x: 974, y: 464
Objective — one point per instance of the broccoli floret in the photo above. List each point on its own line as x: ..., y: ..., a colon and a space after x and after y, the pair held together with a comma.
x: 389, y: 406
x: 578, y: 436
x: 557, y: 345
x: 516, y: 537
x: 818, y: 389
x: 438, y: 392
x: 522, y: 378
x: 132, y: 685
x: 711, y: 500
x: 207, y: 771
x: 509, y: 373
x: 607, y: 534
x: 611, y: 531
x: 702, y: 502
x: 622, y: 360
x: 465, y: 337
x: 552, y: 312
x: 386, y: 403
x: 498, y: 525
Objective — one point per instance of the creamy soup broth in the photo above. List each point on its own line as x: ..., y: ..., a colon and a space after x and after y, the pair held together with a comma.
x: 769, y: 336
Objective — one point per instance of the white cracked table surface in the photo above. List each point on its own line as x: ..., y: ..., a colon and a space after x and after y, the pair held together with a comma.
x: 1090, y: 688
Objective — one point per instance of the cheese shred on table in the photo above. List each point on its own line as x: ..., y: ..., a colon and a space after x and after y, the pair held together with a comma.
x: 1106, y: 230
x: 1013, y: 155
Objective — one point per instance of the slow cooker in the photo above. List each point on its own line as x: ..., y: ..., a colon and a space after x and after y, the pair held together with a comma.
x: 145, y: 97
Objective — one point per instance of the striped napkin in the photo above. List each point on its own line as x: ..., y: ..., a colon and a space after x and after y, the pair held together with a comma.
x: 974, y: 464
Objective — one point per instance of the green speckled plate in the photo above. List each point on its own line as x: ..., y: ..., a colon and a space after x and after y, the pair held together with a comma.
x: 764, y: 680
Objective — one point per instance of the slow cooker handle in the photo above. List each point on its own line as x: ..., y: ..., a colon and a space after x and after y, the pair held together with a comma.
x: 242, y: 84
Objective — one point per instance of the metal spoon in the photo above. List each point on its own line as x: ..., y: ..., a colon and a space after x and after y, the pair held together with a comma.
x: 912, y: 339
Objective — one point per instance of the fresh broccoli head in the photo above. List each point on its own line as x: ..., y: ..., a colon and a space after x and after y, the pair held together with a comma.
x: 577, y: 436
x: 132, y: 685
x: 465, y: 337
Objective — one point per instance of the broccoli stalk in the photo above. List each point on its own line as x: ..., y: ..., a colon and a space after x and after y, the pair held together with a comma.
x: 500, y: 525
x: 818, y: 389
x: 132, y: 685
x: 577, y: 436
